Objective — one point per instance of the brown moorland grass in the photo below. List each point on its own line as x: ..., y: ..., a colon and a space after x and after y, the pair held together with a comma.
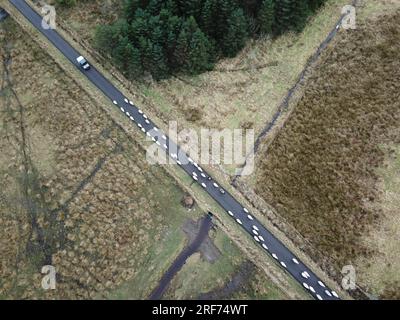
x: 320, y: 172
x: 76, y: 191
x: 380, y: 273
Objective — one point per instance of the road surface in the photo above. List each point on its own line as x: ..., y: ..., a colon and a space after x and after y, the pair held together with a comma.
x: 270, y: 244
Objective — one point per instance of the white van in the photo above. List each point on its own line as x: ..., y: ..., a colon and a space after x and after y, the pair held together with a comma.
x: 83, y: 63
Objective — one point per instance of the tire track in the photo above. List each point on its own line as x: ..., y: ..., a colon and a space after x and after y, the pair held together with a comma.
x: 205, y: 226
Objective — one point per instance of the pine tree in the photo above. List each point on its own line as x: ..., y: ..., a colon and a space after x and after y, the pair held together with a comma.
x: 164, y: 36
x: 283, y: 16
x: 119, y: 54
x: 193, y: 49
x: 187, y: 8
x: 236, y: 36
x: 224, y: 12
x: 158, y: 67
x: 266, y: 16
x: 172, y: 27
x: 300, y: 13
x: 140, y: 26
x: 154, y: 7
x: 130, y: 7
x: 208, y: 18
x: 200, y: 56
x: 104, y: 40
x: 315, y: 4
x: 108, y: 37
x: 134, y: 65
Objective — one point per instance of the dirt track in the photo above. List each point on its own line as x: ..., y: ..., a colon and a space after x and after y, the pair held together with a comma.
x: 205, y: 226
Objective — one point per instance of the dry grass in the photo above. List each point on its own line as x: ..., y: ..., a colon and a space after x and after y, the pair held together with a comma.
x: 243, y: 92
x: 380, y: 273
x: 85, y: 15
x: 107, y: 221
x: 320, y: 171
x: 76, y: 191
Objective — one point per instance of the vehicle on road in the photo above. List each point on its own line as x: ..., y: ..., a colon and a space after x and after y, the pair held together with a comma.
x: 83, y: 63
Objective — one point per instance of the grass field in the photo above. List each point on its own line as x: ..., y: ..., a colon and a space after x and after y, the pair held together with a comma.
x: 200, y: 278
x: 241, y: 93
x: 152, y: 98
x: 380, y: 272
x: 328, y: 172
x: 76, y: 191
x: 327, y: 164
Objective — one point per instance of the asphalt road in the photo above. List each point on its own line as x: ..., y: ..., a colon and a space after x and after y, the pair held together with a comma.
x: 270, y: 244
